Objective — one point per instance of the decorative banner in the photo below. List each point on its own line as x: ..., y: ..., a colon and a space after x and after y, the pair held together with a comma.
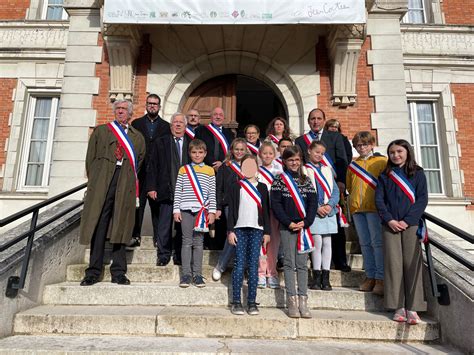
x: 244, y: 12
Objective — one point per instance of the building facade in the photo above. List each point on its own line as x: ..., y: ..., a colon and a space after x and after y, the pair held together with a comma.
x: 406, y: 72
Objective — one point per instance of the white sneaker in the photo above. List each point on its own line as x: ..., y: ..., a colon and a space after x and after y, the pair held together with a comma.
x: 273, y: 282
x: 262, y: 282
x: 216, y: 274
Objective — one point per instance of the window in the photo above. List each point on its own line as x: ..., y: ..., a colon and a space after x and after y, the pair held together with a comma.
x: 54, y: 10
x: 425, y: 141
x: 38, y: 142
x: 416, y: 12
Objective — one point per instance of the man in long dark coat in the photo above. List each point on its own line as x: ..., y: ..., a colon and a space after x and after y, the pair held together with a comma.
x: 111, y: 198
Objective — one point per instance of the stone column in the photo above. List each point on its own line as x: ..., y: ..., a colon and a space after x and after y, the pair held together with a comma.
x: 79, y: 86
x: 390, y: 118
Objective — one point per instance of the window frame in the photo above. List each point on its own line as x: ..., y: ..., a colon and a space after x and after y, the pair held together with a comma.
x: 33, y: 95
x: 44, y: 11
x: 405, y: 19
x: 414, y: 131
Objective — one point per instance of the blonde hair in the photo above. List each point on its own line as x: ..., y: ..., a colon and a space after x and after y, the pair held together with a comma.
x: 230, y: 155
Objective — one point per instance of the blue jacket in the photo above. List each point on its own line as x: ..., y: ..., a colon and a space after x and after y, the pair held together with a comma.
x: 392, y: 203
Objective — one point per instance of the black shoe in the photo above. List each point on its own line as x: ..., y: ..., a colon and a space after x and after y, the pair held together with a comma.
x: 121, y: 280
x: 177, y: 262
x: 185, y: 281
x: 252, y: 309
x: 316, y: 282
x: 135, y: 242
x: 89, y: 280
x: 343, y: 268
x: 325, y: 284
x: 198, y: 281
x: 280, y: 264
x: 237, y: 309
x: 162, y: 262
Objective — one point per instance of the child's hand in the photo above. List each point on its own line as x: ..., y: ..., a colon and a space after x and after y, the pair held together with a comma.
x: 403, y: 224
x: 218, y: 214
x: 396, y: 226
x: 177, y: 217
x: 211, y: 218
x: 322, y: 211
x: 266, y: 240
x: 232, y: 238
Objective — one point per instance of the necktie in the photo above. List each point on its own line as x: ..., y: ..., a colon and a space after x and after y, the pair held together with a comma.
x: 178, y: 148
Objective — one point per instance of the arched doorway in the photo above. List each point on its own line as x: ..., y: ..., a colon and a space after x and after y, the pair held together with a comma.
x: 244, y: 99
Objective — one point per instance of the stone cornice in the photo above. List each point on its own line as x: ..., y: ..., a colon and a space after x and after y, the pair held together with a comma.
x: 41, y: 36
x: 440, y: 41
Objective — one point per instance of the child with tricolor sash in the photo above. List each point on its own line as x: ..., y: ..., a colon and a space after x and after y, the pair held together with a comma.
x: 401, y: 198
x: 325, y: 222
x: 294, y: 203
x: 361, y: 182
x: 248, y: 226
x: 229, y: 173
x: 267, y: 173
x: 195, y: 207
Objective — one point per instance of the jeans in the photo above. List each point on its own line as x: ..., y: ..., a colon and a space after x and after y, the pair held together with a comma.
x: 247, y: 251
x: 369, y: 229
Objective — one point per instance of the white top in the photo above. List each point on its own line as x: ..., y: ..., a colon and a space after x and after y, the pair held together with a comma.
x: 276, y: 169
x: 248, y: 211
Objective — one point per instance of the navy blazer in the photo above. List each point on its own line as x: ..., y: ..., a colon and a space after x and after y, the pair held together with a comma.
x: 334, y: 148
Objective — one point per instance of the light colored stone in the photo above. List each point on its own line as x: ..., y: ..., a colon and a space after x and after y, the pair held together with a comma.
x: 388, y: 72
x: 76, y: 101
x: 77, y: 85
x: 83, y: 38
x: 70, y: 150
x: 91, y: 54
x: 77, y: 118
x: 386, y: 87
x: 384, y: 57
x: 79, y: 69
x: 389, y: 120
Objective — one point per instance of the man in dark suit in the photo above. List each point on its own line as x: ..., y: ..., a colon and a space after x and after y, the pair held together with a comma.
x: 194, y: 121
x: 151, y: 126
x: 169, y: 153
x: 217, y: 138
x: 335, y: 149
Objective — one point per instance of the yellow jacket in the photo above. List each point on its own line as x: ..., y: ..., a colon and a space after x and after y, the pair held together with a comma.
x: 361, y: 195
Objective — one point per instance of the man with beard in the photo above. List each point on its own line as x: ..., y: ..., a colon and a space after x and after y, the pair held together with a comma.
x: 152, y: 127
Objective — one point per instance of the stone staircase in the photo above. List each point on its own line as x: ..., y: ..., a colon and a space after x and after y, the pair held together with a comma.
x: 153, y: 310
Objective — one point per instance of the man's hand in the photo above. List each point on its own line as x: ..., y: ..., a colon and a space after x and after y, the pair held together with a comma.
x: 152, y: 195
x: 177, y: 217
x: 218, y: 214
x: 211, y: 218
x: 232, y: 238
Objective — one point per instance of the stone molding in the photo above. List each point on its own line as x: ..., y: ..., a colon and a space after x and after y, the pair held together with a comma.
x: 21, y: 35
x: 388, y: 6
x: 344, y: 45
x: 122, y: 43
x: 438, y: 41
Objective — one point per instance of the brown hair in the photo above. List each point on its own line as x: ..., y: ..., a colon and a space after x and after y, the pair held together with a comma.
x: 264, y: 145
x: 197, y: 144
x: 250, y: 126
x: 333, y: 123
x: 291, y: 152
x: 410, y: 166
x: 316, y: 109
x: 230, y: 155
x: 364, y: 137
x: 271, y: 127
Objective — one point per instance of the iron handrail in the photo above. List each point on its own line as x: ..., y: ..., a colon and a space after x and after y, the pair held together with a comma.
x: 16, y: 283
x: 449, y: 227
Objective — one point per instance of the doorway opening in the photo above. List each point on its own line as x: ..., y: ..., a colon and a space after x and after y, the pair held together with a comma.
x: 245, y: 100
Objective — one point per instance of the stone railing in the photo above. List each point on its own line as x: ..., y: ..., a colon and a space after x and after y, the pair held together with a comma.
x: 22, y: 35
x: 438, y: 40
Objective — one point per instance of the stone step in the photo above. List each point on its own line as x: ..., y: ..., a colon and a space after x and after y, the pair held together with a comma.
x: 205, y: 322
x: 151, y: 273
x: 125, y: 345
x: 214, y: 294
x: 210, y: 257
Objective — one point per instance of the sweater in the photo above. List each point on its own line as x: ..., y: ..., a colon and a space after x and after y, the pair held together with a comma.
x: 362, y: 196
x: 184, y: 197
x: 234, y: 202
x: 393, y: 204
x: 283, y: 206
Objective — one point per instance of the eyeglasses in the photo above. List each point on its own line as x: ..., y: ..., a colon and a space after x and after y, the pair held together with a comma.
x: 252, y: 133
x: 153, y: 104
x: 362, y: 145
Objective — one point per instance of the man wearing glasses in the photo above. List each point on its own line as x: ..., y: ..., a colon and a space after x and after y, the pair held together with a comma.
x: 194, y: 121
x: 152, y: 126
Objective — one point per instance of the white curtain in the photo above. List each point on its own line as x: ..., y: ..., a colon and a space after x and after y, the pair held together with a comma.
x: 55, y: 12
x: 415, y: 11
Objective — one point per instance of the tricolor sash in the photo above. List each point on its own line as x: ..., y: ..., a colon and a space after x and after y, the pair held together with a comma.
x: 318, y: 175
x: 327, y: 161
x: 305, y: 243
x: 252, y: 192
x: 201, y: 224
x: 274, y: 139
x: 408, y: 189
x: 309, y: 137
x: 236, y: 168
x: 403, y: 183
x: 266, y: 174
x: 363, y: 174
x: 253, y: 148
x: 127, y: 145
x: 190, y: 132
x: 263, y: 251
x: 279, y: 161
x: 220, y: 137
x: 341, y: 217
